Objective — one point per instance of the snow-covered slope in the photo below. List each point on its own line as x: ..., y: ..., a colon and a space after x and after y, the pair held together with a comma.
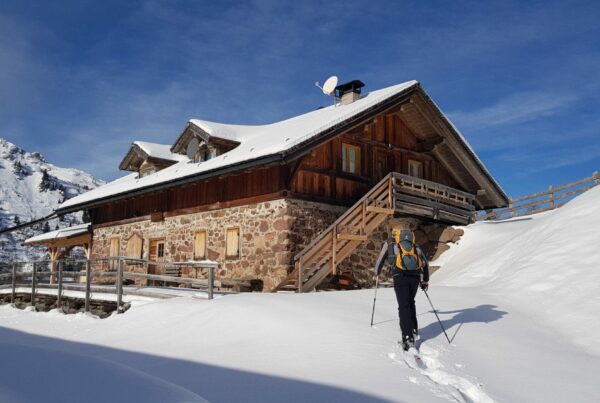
x: 33, y: 188
x: 547, y: 265
x: 501, y: 295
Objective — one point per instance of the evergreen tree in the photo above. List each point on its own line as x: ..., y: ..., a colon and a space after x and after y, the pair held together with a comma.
x: 46, y: 227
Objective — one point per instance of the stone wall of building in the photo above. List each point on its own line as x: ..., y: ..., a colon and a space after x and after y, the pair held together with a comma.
x: 271, y: 233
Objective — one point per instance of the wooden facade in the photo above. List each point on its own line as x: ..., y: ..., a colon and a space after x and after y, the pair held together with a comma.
x: 386, y: 145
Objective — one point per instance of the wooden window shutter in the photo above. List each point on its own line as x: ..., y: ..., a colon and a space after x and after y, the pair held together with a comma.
x: 115, y: 246
x: 233, y: 242
x: 200, y: 245
x: 134, y: 246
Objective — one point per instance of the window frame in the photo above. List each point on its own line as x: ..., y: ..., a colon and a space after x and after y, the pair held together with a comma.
x: 239, y: 243
x: 346, y: 162
x: 205, y: 232
x: 419, y: 166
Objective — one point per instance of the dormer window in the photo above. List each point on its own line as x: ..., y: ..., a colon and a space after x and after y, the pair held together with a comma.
x: 205, y: 153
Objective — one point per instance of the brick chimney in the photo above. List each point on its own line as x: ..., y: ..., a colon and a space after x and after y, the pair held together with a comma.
x: 349, y: 92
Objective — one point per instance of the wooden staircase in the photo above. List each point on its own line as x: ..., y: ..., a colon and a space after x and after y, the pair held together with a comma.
x: 396, y: 193
x: 332, y: 246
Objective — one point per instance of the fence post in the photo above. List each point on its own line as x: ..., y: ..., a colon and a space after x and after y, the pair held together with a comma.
x: 14, y: 282
x: 551, y: 197
x: 119, y: 285
x: 88, y: 282
x: 60, y: 284
x: 596, y: 177
x: 33, y: 283
x: 211, y: 281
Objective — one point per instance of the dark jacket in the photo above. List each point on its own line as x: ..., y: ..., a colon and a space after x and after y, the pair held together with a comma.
x: 388, y: 253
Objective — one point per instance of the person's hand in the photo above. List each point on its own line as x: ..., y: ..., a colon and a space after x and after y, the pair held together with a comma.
x: 424, y: 285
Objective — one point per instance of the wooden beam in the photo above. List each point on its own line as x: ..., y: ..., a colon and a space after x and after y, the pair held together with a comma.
x: 352, y: 237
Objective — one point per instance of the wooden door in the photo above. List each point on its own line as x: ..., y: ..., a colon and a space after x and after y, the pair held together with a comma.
x: 156, y: 254
x: 381, y: 165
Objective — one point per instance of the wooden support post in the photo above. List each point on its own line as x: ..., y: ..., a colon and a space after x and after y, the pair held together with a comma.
x: 60, y: 285
x: 33, y: 283
x: 14, y: 282
x: 119, y: 285
x: 299, y: 265
x: 390, y: 192
x: 211, y: 282
x: 88, y: 284
x: 364, y: 218
x: 551, y: 197
x: 333, y: 241
x: 596, y: 176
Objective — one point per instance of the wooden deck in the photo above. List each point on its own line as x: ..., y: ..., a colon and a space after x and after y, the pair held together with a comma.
x: 396, y: 193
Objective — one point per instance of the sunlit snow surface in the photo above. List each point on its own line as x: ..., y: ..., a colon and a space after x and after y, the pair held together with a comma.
x: 517, y: 300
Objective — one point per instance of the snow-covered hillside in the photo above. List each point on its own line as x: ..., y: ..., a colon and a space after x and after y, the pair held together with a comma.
x: 546, y: 265
x: 33, y: 188
x: 517, y: 300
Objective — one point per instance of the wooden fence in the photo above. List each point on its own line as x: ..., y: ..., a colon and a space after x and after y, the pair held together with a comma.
x: 112, y: 271
x: 534, y: 203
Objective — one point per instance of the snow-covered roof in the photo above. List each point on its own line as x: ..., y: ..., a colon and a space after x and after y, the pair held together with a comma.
x: 62, y: 233
x: 256, y: 141
x: 161, y: 151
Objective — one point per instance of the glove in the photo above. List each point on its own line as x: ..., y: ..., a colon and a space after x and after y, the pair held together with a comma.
x: 424, y: 285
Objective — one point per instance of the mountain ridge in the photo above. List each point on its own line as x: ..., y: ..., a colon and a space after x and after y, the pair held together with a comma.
x: 32, y: 188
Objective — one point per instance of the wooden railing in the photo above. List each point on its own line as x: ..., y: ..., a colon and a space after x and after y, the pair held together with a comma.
x: 550, y: 199
x: 113, y: 272
x: 394, y: 193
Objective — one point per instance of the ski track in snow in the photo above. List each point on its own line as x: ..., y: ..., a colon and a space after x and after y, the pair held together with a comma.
x: 442, y: 383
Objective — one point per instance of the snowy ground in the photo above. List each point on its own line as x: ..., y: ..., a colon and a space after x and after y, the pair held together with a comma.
x: 519, y: 301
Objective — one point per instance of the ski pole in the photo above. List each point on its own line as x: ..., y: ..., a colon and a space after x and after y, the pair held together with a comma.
x: 436, y: 315
x: 374, y: 298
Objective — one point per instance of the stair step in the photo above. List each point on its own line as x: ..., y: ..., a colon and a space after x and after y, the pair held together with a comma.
x: 352, y: 237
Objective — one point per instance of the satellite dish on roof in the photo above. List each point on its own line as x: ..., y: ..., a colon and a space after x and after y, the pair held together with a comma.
x: 330, y: 85
x: 192, y: 148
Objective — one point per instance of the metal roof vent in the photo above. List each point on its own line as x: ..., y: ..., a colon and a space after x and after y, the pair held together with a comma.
x: 349, y: 92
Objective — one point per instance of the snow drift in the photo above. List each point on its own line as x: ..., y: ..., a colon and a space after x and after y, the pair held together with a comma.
x: 546, y: 265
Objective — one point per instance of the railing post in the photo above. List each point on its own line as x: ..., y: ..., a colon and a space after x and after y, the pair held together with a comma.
x: 211, y: 281
x: 333, y: 254
x: 299, y: 263
x: 551, y: 197
x: 88, y: 283
x: 33, y: 283
x: 60, y: 284
x: 14, y: 283
x: 119, y: 285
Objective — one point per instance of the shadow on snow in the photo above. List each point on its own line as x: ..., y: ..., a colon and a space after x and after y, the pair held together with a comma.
x: 479, y: 314
x: 44, y: 370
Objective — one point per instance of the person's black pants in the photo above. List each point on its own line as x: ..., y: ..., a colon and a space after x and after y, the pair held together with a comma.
x: 406, y: 287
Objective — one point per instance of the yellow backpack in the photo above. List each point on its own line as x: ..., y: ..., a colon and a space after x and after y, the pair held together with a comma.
x: 408, y: 259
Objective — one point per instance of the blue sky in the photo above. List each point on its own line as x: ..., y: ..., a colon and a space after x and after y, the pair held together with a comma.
x: 80, y: 80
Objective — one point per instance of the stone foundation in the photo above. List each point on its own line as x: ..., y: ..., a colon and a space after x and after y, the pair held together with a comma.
x: 271, y: 233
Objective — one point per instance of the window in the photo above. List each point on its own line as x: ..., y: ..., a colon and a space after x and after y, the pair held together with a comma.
x: 233, y: 242
x: 200, y: 245
x: 415, y: 168
x: 115, y: 246
x: 134, y: 246
x: 204, y: 154
x: 350, y: 159
x: 160, y: 249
